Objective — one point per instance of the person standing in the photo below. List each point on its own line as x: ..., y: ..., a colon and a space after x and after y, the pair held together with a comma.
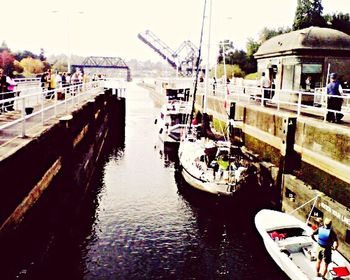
x: 58, y: 79
x: 11, y: 84
x: 334, y: 93
x: 43, y: 80
x: 214, y: 85
x: 53, y: 85
x: 64, y: 79
x: 265, y: 84
x: 327, y: 240
x: 308, y: 82
x: 3, y: 90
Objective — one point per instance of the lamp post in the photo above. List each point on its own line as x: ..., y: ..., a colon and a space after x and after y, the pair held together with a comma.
x: 68, y: 14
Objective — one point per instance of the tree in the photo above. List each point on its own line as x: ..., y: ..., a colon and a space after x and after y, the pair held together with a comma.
x: 339, y: 22
x: 24, y: 54
x: 231, y: 71
x: 235, y: 57
x: 42, y: 56
x: 267, y: 33
x: 4, y: 47
x: 17, y: 67
x: 47, y: 65
x: 308, y: 13
x: 60, y: 66
x: 225, y: 47
x: 252, y: 47
x: 31, y: 66
x: 6, y: 61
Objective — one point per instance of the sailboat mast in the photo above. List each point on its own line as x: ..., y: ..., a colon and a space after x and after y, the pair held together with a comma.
x: 198, y: 64
x: 207, y: 64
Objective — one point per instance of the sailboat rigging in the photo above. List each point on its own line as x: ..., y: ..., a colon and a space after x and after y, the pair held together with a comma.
x: 209, y: 165
x: 197, y: 67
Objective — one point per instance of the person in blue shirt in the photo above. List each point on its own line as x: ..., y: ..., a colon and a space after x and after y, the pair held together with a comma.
x: 334, y: 93
x: 327, y: 240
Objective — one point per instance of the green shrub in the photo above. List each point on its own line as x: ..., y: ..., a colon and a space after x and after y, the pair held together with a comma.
x: 220, y: 126
x: 252, y: 76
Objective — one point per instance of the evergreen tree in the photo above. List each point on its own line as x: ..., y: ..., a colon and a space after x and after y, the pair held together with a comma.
x: 267, y: 33
x: 24, y: 54
x: 308, y: 13
x: 4, y: 47
x: 339, y: 22
x: 42, y: 55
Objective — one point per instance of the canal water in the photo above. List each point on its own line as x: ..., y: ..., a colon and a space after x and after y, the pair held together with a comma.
x: 140, y: 221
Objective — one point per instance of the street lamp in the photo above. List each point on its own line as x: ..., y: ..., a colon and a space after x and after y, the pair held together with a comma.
x: 68, y: 20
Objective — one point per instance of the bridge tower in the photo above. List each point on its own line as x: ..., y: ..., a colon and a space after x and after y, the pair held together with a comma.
x: 183, y: 59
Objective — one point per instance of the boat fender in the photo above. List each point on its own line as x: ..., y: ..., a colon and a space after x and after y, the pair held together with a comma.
x: 161, y: 131
x: 155, y: 121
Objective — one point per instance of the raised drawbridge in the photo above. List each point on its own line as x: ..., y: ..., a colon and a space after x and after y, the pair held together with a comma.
x: 183, y: 59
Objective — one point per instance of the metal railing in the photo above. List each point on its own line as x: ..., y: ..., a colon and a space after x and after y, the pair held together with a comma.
x: 118, y: 86
x: 27, y: 80
x: 34, y: 109
x: 312, y: 103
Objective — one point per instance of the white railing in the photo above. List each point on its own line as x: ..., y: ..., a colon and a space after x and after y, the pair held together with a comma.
x: 35, y: 109
x: 117, y: 85
x: 321, y: 99
x: 27, y: 80
x: 300, y: 102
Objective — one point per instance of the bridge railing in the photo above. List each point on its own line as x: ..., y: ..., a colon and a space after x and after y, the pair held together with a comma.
x: 27, y: 80
x: 117, y: 85
x: 34, y: 109
x: 311, y: 103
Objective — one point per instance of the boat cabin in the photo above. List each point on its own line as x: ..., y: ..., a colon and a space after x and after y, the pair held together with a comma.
x: 174, y: 89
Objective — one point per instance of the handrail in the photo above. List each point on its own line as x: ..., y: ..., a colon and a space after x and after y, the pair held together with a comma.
x: 27, y: 80
x: 314, y: 103
x: 43, y: 105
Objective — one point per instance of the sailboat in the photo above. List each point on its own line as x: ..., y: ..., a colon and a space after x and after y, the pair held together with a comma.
x: 209, y: 165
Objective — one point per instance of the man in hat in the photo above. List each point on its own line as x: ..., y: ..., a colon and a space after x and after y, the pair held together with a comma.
x: 327, y: 240
x: 265, y: 84
x: 334, y: 92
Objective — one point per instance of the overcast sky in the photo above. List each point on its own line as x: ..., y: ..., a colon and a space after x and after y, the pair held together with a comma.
x: 110, y: 27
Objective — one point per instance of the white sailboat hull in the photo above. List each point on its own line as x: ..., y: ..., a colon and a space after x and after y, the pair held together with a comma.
x: 208, y: 187
x: 201, y: 177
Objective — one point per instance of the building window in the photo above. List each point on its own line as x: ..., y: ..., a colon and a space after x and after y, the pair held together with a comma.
x: 311, y: 68
x: 311, y: 76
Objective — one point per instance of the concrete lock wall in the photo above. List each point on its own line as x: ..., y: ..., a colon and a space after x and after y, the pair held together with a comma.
x: 325, y: 158
x: 295, y: 192
x: 304, y: 158
x: 71, y: 145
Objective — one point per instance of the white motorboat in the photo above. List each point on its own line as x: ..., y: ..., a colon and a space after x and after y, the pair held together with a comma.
x: 174, y: 111
x: 172, y: 121
x: 289, y: 243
